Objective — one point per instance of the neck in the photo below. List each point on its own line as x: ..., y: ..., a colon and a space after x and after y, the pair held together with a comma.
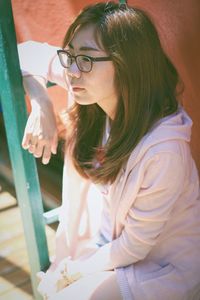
x: 109, y: 106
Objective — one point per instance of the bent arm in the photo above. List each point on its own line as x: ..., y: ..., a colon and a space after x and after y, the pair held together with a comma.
x: 40, y: 135
x: 39, y: 64
x: 145, y: 219
x: 41, y: 60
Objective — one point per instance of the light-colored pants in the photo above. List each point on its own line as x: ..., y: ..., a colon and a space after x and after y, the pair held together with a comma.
x: 99, y: 286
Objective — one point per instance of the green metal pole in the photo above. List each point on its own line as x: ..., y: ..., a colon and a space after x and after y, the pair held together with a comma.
x: 122, y: 4
x: 23, y: 164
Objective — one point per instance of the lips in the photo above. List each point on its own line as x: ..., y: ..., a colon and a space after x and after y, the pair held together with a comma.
x: 77, y: 89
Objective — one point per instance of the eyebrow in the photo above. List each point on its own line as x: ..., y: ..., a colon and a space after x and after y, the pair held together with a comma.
x: 84, y: 48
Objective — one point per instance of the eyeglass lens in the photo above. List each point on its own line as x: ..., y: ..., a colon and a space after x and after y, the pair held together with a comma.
x: 83, y: 62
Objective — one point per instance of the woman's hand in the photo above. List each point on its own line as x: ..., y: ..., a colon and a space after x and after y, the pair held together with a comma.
x: 47, y: 284
x: 40, y: 135
x: 54, y: 280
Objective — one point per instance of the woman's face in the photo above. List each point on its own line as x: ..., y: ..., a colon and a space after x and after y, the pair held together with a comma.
x: 97, y: 86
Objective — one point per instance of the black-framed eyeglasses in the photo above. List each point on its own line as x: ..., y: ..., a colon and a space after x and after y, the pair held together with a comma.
x: 83, y: 62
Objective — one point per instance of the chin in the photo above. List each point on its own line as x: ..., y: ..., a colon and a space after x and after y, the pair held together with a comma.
x: 84, y: 101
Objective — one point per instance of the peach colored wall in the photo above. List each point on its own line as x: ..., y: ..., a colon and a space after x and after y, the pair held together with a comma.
x: 178, y: 24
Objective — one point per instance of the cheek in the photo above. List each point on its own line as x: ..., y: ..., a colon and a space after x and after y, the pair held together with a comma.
x: 67, y: 79
x: 105, y: 82
x: 109, y: 81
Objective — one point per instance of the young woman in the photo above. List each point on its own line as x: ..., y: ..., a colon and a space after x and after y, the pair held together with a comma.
x: 128, y: 136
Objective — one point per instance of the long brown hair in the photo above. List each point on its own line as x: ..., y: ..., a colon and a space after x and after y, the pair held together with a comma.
x: 145, y: 81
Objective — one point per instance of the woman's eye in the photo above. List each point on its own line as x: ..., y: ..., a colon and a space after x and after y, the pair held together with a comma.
x: 85, y: 59
x: 69, y: 54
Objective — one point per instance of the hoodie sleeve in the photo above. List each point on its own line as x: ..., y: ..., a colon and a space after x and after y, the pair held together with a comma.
x: 162, y: 184
x: 74, y: 206
x: 40, y: 59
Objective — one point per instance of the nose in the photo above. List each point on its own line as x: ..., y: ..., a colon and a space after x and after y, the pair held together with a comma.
x: 73, y: 70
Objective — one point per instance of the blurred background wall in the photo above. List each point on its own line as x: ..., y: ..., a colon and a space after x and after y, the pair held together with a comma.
x: 178, y: 24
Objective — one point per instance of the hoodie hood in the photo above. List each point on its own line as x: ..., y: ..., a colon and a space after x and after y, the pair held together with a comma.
x: 176, y: 126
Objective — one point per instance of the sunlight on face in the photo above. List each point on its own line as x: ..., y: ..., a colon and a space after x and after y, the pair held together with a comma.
x: 98, y: 85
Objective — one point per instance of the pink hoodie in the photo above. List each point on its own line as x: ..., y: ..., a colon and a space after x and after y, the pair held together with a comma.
x: 154, y: 204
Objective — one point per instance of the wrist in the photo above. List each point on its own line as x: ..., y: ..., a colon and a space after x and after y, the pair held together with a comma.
x: 41, y: 104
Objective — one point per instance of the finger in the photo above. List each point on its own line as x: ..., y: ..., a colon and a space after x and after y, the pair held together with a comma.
x: 39, y: 150
x: 47, y: 284
x: 54, y: 144
x: 33, y: 144
x: 26, y: 140
x: 32, y: 148
x: 40, y: 275
x: 34, y: 140
x: 46, y: 154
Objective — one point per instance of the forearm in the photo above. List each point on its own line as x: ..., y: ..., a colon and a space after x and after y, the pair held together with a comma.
x: 99, y: 261
x: 35, y: 87
x: 61, y: 248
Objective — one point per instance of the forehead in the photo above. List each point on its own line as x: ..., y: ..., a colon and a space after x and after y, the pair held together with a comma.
x: 86, y: 36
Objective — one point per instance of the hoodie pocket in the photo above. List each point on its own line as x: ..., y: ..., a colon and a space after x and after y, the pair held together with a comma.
x: 163, y: 282
x: 153, y: 271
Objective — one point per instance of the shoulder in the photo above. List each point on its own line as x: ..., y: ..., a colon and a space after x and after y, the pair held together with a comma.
x: 169, y: 137
x: 41, y: 59
x: 163, y: 165
x: 171, y: 151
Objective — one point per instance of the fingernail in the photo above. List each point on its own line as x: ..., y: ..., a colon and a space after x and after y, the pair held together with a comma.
x: 45, y: 161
